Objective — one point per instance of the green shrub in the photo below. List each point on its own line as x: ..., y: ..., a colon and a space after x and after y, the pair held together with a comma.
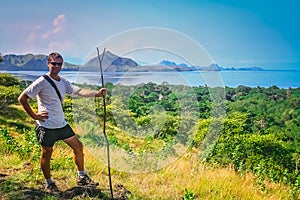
x: 26, y: 147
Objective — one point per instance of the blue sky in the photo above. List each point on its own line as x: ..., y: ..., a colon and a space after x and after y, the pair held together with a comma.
x: 234, y: 33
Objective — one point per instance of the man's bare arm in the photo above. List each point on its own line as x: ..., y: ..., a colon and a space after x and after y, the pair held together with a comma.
x: 90, y: 93
x: 23, y: 99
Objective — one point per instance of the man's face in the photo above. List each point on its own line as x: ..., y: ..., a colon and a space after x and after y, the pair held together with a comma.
x: 55, y: 66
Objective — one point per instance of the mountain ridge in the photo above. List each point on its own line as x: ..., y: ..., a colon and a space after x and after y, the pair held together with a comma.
x: 113, y: 63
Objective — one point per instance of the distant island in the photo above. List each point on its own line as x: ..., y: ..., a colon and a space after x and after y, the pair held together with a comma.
x: 114, y: 63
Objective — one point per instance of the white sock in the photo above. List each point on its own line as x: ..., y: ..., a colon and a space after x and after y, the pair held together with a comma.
x: 81, y: 173
x: 49, y: 181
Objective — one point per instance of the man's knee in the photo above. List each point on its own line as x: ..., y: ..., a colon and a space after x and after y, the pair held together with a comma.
x: 75, y: 144
x: 47, y: 152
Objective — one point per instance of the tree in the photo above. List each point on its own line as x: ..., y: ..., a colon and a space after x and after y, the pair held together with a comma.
x: 1, y: 58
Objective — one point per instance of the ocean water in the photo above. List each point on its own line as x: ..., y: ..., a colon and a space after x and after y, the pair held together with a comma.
x: 281, y: 79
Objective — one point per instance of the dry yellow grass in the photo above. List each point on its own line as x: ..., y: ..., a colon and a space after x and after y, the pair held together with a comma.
x: 205, y: 182
x: 168, y: 183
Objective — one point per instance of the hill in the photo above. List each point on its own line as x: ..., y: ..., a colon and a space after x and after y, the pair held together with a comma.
x: 111, y: 63
x: 212, y: 67
x: 29, y: 62
x: 256, y: 155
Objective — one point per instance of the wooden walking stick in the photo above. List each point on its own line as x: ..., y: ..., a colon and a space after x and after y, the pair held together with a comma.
x: 104, y: 123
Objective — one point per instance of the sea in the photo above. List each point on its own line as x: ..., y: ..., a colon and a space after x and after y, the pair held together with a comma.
x: 229, y: 78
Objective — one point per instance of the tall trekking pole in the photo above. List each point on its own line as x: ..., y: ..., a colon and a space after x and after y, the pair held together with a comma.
x: 104, y: 123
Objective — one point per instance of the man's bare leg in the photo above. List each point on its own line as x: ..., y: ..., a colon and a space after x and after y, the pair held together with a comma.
x: 77, y: 147
x: 45, y: 161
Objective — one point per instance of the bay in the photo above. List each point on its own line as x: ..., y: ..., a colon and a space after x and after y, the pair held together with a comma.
x: 265, y: 78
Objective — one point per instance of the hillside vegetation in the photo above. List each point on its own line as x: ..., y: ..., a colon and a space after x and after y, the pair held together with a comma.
x: 238, y: 143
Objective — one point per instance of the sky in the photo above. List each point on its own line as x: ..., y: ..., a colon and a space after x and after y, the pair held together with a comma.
x: 233, y: 33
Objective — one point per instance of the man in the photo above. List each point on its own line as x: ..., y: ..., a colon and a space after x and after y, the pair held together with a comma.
x: 52, y: 125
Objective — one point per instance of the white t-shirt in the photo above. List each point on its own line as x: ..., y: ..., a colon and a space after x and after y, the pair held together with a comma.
x: 48, y: 100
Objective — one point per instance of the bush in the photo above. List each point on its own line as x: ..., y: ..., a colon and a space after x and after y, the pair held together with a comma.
x: 9, y: 90
x: 8, y: 80
x: 9, y: 95
x: 266, y: 155
x: 26, y: 147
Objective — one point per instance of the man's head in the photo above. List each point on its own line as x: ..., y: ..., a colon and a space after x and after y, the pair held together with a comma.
x: 55, y: 61
x: 53, y: 56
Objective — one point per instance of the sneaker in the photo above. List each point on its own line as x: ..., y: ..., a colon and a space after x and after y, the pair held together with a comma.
x: 86, y: 181
x: 51, y: 188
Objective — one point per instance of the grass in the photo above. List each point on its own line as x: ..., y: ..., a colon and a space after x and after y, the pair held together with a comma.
x: 186, y: 178
x: 204, y: 181
x: 171, y: 182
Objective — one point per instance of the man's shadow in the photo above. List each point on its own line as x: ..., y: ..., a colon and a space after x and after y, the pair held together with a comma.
x: 77, y: 191
x: 120, y: 192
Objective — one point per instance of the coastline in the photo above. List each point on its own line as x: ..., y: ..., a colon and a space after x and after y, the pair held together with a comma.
x: 229, y: 78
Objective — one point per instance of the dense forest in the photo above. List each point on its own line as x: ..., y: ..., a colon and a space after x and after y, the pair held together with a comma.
x: 255, y: 130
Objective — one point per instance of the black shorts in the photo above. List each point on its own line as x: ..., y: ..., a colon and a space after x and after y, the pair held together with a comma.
x: 47, y: 137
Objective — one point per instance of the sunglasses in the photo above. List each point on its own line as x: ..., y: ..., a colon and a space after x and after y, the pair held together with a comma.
x: 56, y: 63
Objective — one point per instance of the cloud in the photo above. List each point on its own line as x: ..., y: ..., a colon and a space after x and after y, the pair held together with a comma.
x: 48, y: 36
x: 32, y: 35
x: 57, y: 27
x: 41, y: 37
x: 59, y: 23
x: 46, y: 32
